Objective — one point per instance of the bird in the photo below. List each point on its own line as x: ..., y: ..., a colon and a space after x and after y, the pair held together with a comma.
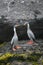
x: 14, y: 40
x: 29, y: 32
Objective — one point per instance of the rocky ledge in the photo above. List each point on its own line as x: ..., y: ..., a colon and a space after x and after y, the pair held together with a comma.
x: 31, y: 54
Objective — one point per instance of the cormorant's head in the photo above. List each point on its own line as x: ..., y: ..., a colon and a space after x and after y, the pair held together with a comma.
x: 26, y: 23
x: 15, y: 27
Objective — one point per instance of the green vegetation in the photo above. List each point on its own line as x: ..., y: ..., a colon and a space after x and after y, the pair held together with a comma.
x: 3, y: 44
x: 9, y: 57
x: 42, y: 61
x: 35, y: 63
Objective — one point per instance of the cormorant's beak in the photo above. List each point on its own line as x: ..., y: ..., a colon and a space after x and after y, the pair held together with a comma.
x: 16, y: 25
x: 25, y: 23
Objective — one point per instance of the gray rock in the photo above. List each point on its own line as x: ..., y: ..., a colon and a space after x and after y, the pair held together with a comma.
x: 20, y: 9
x: 6, y: 32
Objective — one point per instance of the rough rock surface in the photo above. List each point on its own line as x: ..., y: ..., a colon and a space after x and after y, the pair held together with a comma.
x: 21, y: 9
x: 37, y: 48
x: 6, y: 32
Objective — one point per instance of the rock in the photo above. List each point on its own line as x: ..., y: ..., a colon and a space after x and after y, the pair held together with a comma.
x: 1, y: 54
x: 22, y: 8
x: 37, y: 28
x: 6, y: 32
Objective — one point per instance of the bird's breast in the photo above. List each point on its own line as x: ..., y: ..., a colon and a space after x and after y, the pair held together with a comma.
x: 15, y: 37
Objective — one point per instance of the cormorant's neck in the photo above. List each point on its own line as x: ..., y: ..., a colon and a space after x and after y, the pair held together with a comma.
x: 14, y: 30
x: 27, y: 26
